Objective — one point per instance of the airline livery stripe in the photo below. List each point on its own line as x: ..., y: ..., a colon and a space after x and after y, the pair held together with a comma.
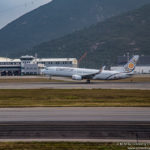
x: 111, y: 76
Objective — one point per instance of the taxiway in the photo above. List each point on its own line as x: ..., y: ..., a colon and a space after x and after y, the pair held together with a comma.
x: 77, y: 85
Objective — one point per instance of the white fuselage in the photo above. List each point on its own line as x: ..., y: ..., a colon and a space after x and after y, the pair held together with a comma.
x: 85, y: 73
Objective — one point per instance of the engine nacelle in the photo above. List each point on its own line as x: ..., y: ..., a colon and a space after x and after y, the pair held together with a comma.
x: 76, y: 77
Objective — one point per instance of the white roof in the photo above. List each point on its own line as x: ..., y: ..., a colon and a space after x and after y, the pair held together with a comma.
x: 16, y: 60
x: 5, y: 59
x: 56, y: 59
x: 27, y: 56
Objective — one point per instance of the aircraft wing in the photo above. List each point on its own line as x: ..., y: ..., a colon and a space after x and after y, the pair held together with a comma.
x: 90, y: 76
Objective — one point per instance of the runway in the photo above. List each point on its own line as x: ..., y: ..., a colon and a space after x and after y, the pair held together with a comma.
x: 77, y: 85
x: 75, y: 130
x: 75, y: 114
x: 100, y: 123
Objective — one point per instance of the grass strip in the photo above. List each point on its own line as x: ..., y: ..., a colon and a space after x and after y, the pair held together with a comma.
x: 59, y: 146
x: 74, y: 98
x: 71, y: 146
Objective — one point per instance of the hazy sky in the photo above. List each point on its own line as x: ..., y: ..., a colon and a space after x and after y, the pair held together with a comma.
x: 12, y: 9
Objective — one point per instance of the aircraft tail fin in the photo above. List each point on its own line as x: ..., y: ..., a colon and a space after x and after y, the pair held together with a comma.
x: 130, y: 66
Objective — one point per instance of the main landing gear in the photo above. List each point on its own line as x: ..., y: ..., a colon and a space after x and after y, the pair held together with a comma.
x: 88, y: 81
x: 50, y: 77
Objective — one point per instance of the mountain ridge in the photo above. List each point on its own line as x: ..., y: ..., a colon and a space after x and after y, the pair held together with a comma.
x: 57, y: 19
x: 100, y: 44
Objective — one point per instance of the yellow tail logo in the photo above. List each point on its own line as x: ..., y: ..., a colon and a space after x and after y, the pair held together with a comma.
x: 131, y: 65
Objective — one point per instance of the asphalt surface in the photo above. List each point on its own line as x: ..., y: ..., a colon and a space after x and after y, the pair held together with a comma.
x: 77, y: 85
x: 75, y: 130
x: 75, y: 114
x: 100, y: 123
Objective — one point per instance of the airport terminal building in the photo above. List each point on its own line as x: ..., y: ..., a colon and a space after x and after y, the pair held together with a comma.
x: 29, y: 65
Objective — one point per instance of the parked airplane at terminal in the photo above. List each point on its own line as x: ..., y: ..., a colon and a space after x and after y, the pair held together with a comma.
x: 93, y: 74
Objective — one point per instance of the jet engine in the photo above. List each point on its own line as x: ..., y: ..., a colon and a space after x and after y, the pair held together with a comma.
x: 76, y: 77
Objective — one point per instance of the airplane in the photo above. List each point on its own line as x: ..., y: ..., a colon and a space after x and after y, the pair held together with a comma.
x: 93, y: 74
